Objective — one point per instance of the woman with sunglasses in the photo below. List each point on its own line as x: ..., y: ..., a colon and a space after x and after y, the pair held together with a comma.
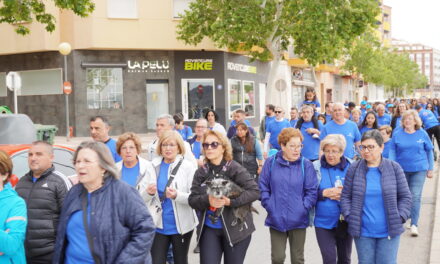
x: 412, y: 148
x: 289, y: 189
x: 175, y: 219
x: 219, y: 236
x: 375, y: 202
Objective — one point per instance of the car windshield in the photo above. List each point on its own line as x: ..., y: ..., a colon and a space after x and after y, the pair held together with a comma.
x: 62, y: 162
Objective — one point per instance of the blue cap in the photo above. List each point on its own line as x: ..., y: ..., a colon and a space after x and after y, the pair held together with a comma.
x: 368, y: 106
x: 390, y: 105
x: 364, y: 102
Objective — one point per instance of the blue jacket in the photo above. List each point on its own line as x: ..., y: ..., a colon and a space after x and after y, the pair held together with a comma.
x: 395, y: 191
x: 286, y: 194
x: 122, y: 228
x: 13, y: 217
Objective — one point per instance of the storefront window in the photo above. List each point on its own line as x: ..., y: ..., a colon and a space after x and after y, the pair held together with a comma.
x: 241, y: 96
x: 104, y: 88
x: 198, y: 97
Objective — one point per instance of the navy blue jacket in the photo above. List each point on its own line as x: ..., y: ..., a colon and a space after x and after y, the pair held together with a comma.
x: 286, y: 194
x: 395, y: 192
x: 120, y: 224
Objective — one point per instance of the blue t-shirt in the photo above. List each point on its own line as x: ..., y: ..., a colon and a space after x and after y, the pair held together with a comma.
x: 311, y: 149
x: 428, y: 118
x: 293, y: 122
x: 111, y: 144
x: 383, y: 120
x: 386, y: 149
x: 217, y: 225
x: 315, y: 102
x: 267, y: 121
x: 328, y: 211
x: 34, y: 180
x: 349, y: 130
x: 130, y: 175
x: 374, y: 221
x: 196, y: 149
x: 328, y: 118
x: 168, y: 220
x: 274, y: 129
x: 364, y: 129
x: 78, y: 251
x: 186, y: 132
x: 411, y: 150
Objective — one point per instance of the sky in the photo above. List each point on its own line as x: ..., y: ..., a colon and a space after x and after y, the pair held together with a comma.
x: 416, y: 21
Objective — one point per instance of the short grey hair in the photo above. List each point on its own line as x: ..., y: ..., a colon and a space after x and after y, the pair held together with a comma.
x: 304, y: 107
x: 336, y: 140
x: 169, y: 117
x: 373, y: 134
x: 340, y: 105
x: 202, y: 120
x: 105, y: 158
x: 46, y: 144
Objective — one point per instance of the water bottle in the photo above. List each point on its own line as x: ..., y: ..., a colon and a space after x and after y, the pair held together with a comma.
x: 338, y: 182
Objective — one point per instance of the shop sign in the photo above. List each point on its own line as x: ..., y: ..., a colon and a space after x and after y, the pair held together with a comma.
x: 198, y: 65
x: 241, y: 67
x: 149, y: 66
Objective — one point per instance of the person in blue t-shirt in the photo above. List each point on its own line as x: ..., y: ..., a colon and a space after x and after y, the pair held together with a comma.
x: 239, y: 117
x: 397, y: 117
x: 411, y: 147
x: 347, y: 128
x: 356, y: 116
x: 370, y: 122
x: 184, y: 130
x: 310, y: 129
x: 328, y: 111
x: 430, y: 123
x: 269, y: 117
x: 294, y: 115
x: 382, y: 117
x: 196, y: 141
x: 99, y: 131
x: 310, y: 98
x: 273, y: 130
x: 386, y: 132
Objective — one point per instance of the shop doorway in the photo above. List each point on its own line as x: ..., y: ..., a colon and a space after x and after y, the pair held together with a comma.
x: 157, y: 101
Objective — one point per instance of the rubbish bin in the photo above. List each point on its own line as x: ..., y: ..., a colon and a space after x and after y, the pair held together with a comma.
x: 46, y: 132
x: 5, y: 110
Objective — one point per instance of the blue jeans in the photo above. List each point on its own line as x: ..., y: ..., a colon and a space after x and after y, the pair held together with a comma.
x: 415, y: 182
x: 377, y: 250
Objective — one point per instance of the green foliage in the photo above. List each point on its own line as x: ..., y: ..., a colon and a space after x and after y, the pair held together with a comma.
x: 320, y: 30
x: 382, y: 66
x: 17, y: 12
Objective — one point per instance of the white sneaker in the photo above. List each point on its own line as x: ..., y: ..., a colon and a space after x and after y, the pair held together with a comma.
x: 414, y: 231
x: 408, y: 225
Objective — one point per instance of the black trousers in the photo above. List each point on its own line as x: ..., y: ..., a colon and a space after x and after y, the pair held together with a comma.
x: 161, y: 244
x: 214, y: 243
x: 334, y: 250
x: 434, y: 131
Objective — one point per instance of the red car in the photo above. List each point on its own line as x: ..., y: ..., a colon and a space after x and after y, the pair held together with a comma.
x: 17, y: 132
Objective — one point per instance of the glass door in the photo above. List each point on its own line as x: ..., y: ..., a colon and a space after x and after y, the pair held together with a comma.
x: 157, y: 101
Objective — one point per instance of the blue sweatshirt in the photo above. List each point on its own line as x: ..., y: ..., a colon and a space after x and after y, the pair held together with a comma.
x: 428, y: 118
x: 412, y: 151
x: 13, y: 217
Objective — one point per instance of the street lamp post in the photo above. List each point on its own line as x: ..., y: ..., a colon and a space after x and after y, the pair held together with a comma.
x: 65, y: 49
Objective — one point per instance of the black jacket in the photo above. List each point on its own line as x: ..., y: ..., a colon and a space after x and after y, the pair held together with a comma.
x: 198, y: 199
x: 44, y: 200
x: 246, y: 159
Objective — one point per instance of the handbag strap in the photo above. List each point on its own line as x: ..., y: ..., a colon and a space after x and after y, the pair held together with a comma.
x: 86, y: 228
x: 170, y: 180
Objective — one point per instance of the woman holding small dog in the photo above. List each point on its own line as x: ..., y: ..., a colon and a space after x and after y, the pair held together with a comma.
x: 175, y: 219
x: 288, y: 187
x: 331, y: 232
x: 221, y: 235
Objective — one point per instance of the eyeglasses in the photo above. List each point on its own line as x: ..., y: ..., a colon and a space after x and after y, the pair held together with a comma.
x: 128, y: 148
x: 168, y: 145
x: 369, y: 147
x: 295, y: 147
x: 278, y: 112
x: 200, y: 127
x: 213, y: 145
x: 331, y: 152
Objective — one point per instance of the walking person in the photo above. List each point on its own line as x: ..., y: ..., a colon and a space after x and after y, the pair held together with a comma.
x: 219, y: 238
x: 103, y: 219
x: 13, y: 217
x: 246, y: 150
x: 331, y: 231
x: 289, y: 188
x: 412, y: 148
x: 310, y: 128
x: 184, y: 130
x: 213, y: 124
x: 375, y: 202
x: 382, y: 117
x: 397, y: 117
x: 273, y: 130
x: 386, y: 132
x: 99, y: 131
x: 369, y: 123
x: 269, y: 117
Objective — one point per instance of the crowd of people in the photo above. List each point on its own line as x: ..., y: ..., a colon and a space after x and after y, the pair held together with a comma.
x: 354, y: 173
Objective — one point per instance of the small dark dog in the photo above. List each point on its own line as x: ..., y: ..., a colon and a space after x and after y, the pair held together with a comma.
x: 220, y: 187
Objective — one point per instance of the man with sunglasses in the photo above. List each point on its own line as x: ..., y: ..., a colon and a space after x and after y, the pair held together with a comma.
x: 274, y: 128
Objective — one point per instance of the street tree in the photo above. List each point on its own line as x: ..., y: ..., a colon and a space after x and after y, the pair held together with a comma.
x: 317, y: 30
x: 20, y: 12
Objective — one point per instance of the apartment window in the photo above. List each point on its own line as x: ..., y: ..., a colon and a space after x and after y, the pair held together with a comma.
x: 197, y: 97
x: 104, y: 88
x: 179, y: 7
x: 122, y: 9
x: 241, y: 96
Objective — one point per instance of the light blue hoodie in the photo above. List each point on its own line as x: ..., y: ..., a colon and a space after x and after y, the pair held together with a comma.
x: 13, y: 222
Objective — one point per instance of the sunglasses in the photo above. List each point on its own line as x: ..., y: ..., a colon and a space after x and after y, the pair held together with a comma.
x: 213, y: 145
x: 278, y: 112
